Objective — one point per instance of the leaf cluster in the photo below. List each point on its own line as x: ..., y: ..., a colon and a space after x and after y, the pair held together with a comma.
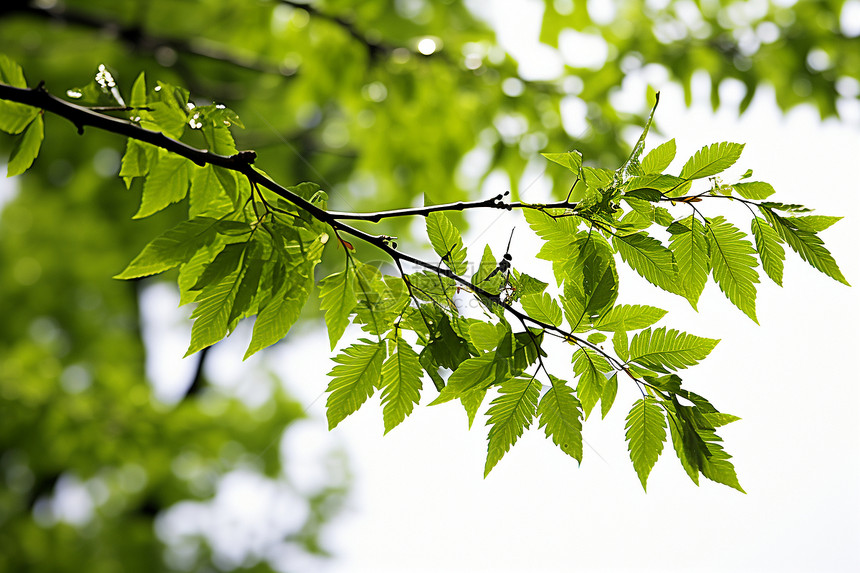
x: 245, y: 250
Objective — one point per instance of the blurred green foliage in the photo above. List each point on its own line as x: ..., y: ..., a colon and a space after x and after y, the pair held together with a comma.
x: 338, y: 93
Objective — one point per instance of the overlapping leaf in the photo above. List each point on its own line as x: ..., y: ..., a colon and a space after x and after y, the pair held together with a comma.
x: 689, y: 243
x: 356, y: 374
x: 447, y: 242
x: 733, y: 264
x: 807, y: 244
x: 646, y: 433
x: 560, y: 415
x: 509, y: 415
x: 337, y: 300
x: 401, y: 384
x: 769, y: 247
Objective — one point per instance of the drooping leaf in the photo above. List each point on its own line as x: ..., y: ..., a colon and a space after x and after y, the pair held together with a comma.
x: 808, y: 245
x: 281, y: 311
x: 663, y: 350
x: 401, y: 384
x: 769, y: 247
x: 509, y: 414
x: 591, y: 368
x: 629, y: 317
x: 717, y: 466
x: 447, y: 242
x: 689, y: 244
x: 26, y: 147
x: 610, y: 389
x: 658, y: 159
x: 646, y: 433
x: 560, y: 415
x: 212, y: 315
x: 337, y: 300
x: 354, y: 377
x: 678, y: 433
x: 711, y: 160
x: 733, y: 264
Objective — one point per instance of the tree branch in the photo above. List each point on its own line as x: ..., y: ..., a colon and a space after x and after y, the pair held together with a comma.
x: 242, y: 163
x: 496, y: 202
x: 140, y: 39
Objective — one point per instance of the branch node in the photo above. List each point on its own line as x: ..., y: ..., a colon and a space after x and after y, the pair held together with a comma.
x: 246, y: 157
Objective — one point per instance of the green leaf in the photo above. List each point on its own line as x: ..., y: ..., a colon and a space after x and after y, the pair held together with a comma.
x: 447, y: 347
x: 646, y: 432
x: 629, y: 317
x: 650, y: 259
x: 755, y: 190
x: 135, y: 161
x: 207, y: 195
x: 571, y: 160
x: 717, y: 466
x: 14, y: 117
x: 509, y: 414
x: 711, y: 160
x: 596, y: 337
x: 166, y: 183
x: 620, y: 345
x: 632, y: 164
x: 769, y: 247
x: 808, y: 245
x: 679, y: 435
x: 476, y: 372
x: 138, y: 92
x: 356, y: 374
x: 658, y: 159
x: 560, y: 415
x: 280, y: 312
x: 734, y: 265
x: 447, y: 242
x: 610, y: 389
x: 212, y: 315
x: 689, y: 244
x: 26, y: 148
x: 173, y: 248
x: 812, y: 223
x: 11, y: 72
x: 543, y: 308
x: 591, y: 369
x: 486, y: 336
x: 401, y: 384
x: 663, y: 350
x: 337, y: 299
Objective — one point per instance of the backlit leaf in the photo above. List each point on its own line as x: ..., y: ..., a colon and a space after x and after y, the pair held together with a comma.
x: 646, y: 433
x: 560, y: 415
x: 356, y: 373
x: 509, y: 414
